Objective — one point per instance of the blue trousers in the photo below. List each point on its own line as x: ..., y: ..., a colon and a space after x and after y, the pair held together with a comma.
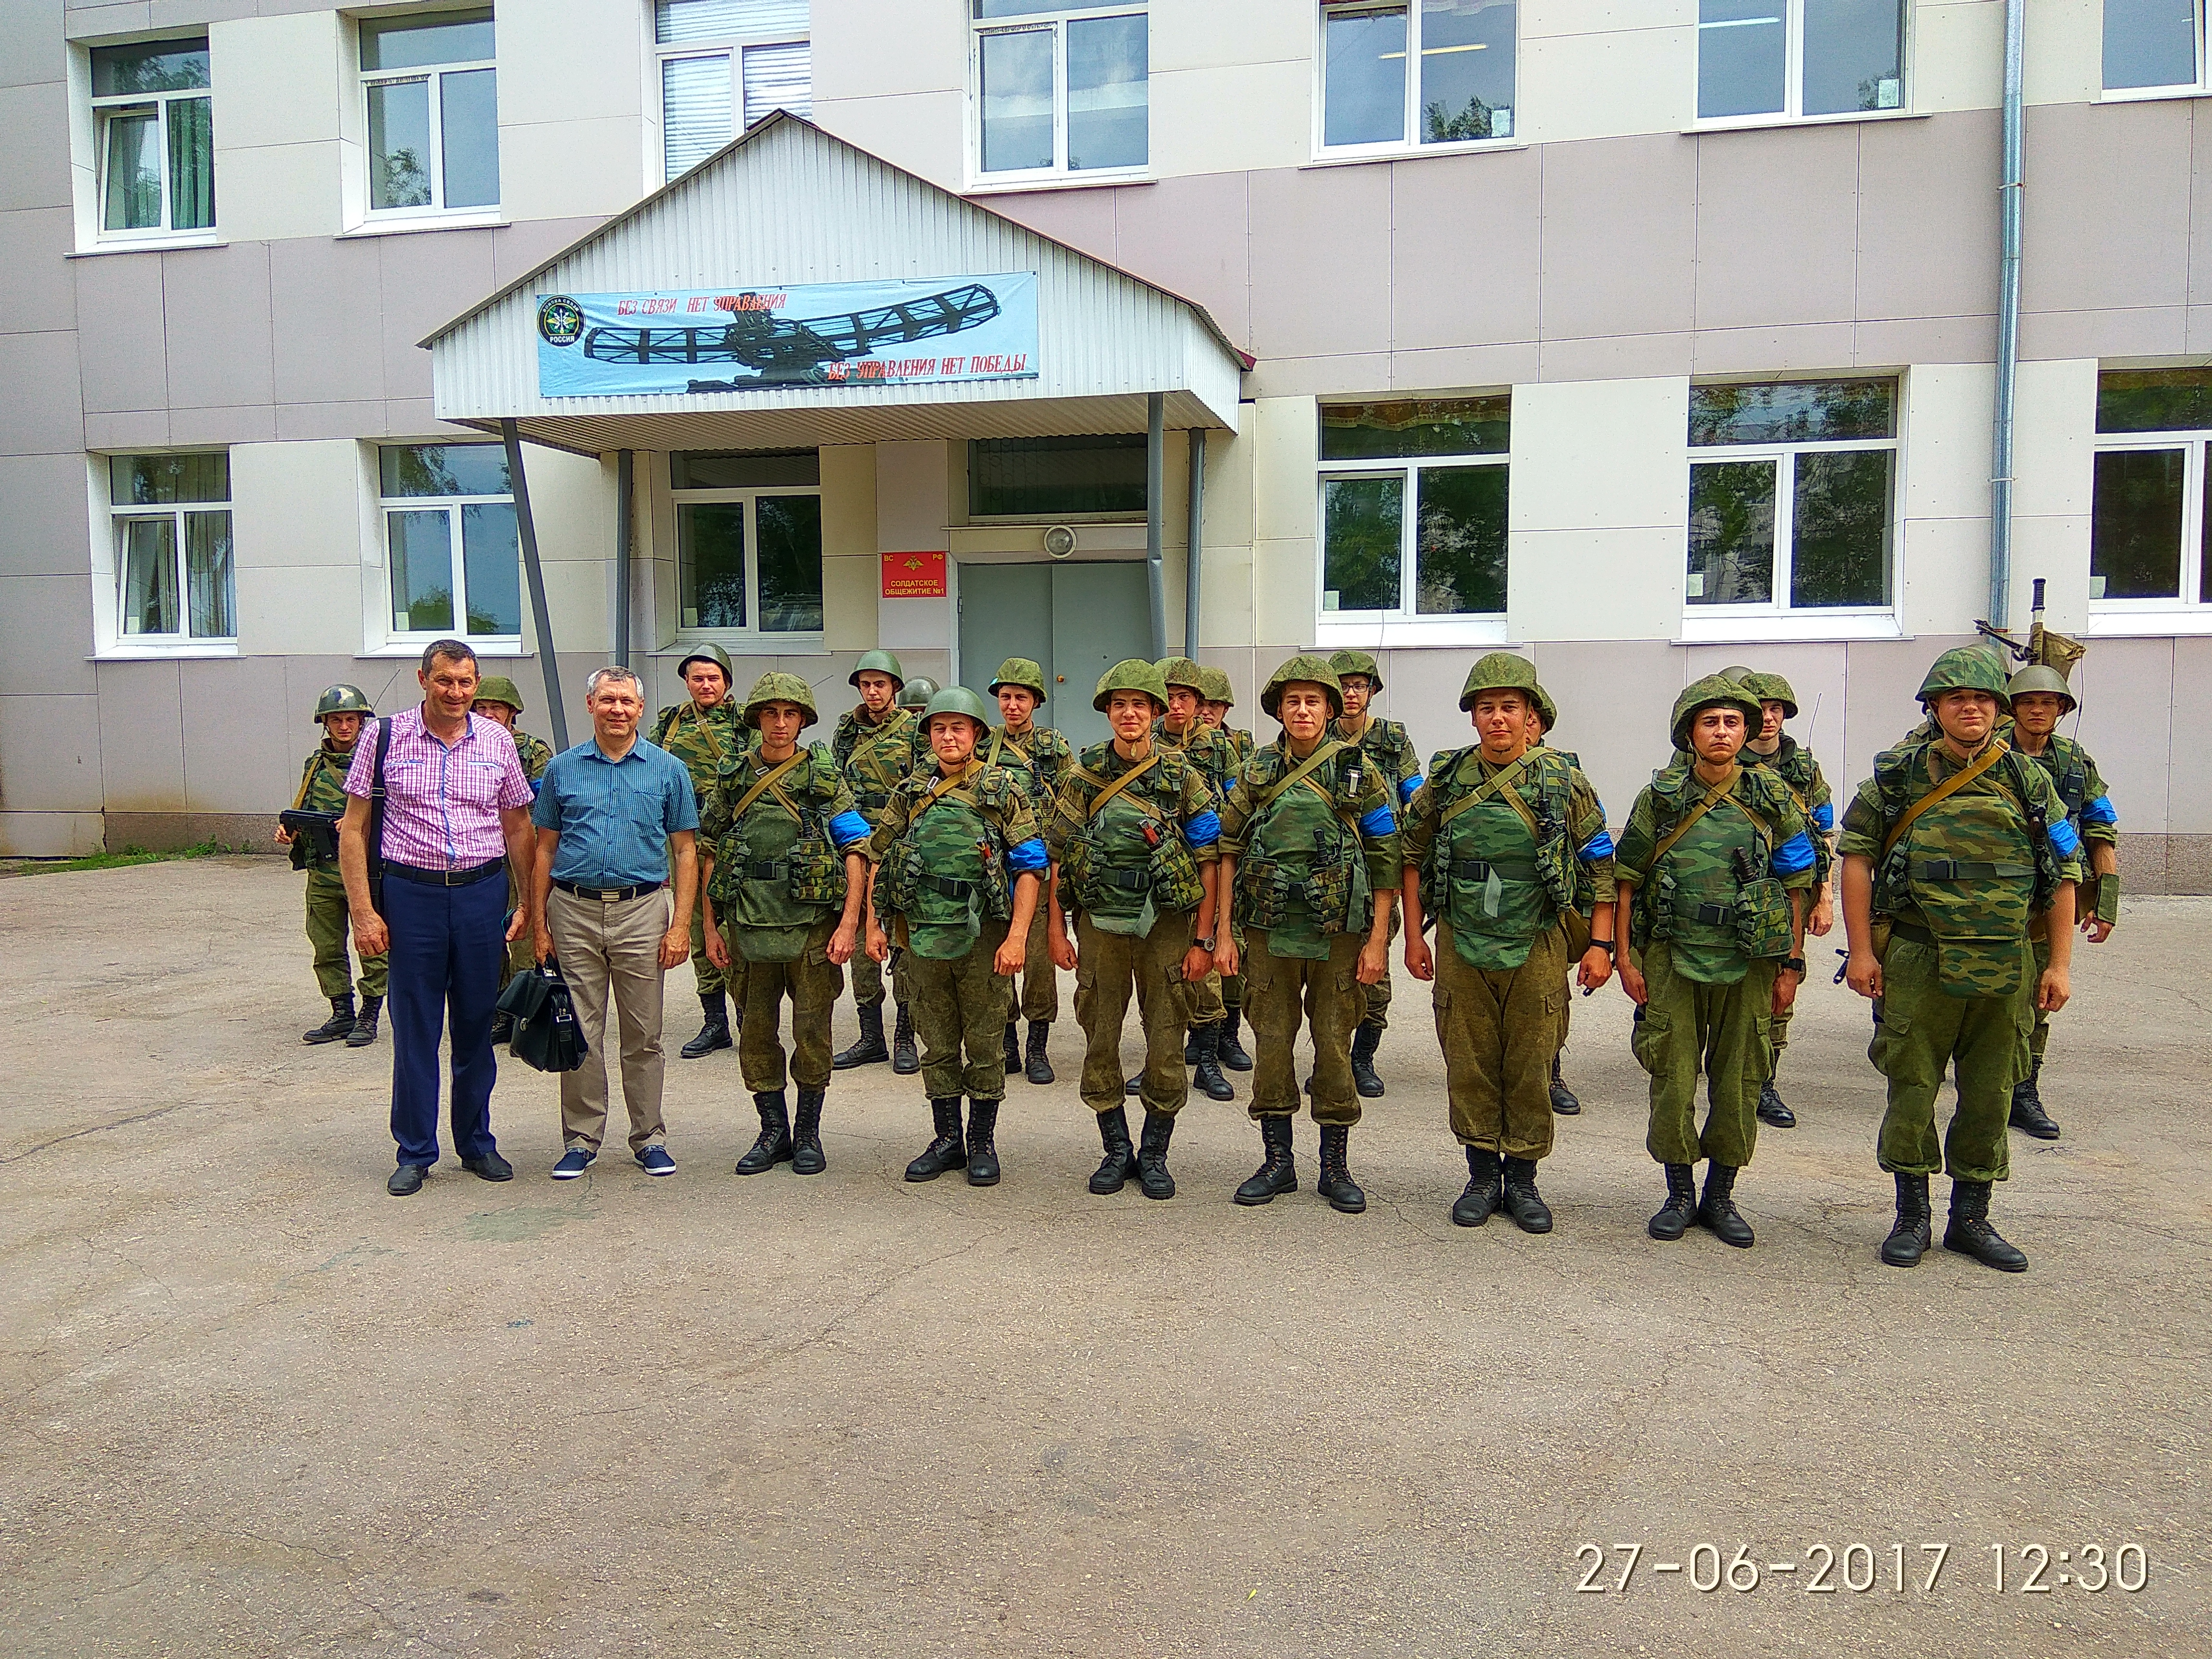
x: 446, y: 948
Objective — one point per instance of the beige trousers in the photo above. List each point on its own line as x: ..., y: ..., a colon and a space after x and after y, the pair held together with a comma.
x: 612, y: 948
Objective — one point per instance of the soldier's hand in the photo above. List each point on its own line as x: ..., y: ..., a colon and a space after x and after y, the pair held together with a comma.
x: 1596, y: 969
x: 371, y: 938
x: 2097, y: 928
x: 1062, y: 948
x: 283, y: 836
x: 842, y: 944
x: 1822, y: 922
x: 718, y: 952
x: 1226, y: 956
x: 1007, y: 960
x: 1420, y: 961
x: 1785, y: 990
x: 2052, y: 991
x: 1374, y: 962
x: 1197, y: 963
x: 1863, y: 973
x: 1631, y: 980
x: 675, y: 945
x: 879, y: 945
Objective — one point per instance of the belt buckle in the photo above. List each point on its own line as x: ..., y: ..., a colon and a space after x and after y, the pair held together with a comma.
x: 610, y: 895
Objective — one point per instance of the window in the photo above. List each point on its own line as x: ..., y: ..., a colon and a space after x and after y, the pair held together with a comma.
x: 154, y: 138
x: 2147, y: 549
x: 1792, y: 488
x: 1462, y: 92
x: 173, y: 561
x: 1799, y: 57
x: 2153, y: 44
x: 433, y: 112
x: 1413, y: 508
x: 723, y: 58
x: 749, y: 541
x: 1100, y: 476
x: 1061, y: 87
x: 452, y: 559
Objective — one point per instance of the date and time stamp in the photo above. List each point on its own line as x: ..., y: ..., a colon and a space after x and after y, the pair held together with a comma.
x: 1895, y: 1568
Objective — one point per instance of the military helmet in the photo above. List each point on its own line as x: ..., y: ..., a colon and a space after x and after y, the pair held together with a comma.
x: 957, y: 700
x: 776, y: 687
x: 875, y: 662
x: 1500, y: 671
x: 1355, y: 662
x: 497, y: 688
x: 1021, y: 672
x: 1213, y: 686
x: 713, y: 653
x: 1736, y: 674
x: 1308, y: 668
x: 1133, y: 674
x: 2037, y: 676
x: 1773, y: 688
x: 1546, y: 707
x: 343, y: 699
x: 1963, y: 668
x: 917, y: 693
x: 1713, y: 691
x: 1181, y: 670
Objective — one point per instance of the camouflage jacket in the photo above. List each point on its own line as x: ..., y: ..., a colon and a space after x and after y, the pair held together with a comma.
x: 1387, y: 746
x: 779, y: 869
x: 1208, y: 750
x: 536, y: 754
x: 703, y: 739
x: 2080, y: 788
x: 1793, y: 764
x: 1693, y: 896
x: 1109, y: 868
x: 1311, y: 860
x: 322, y: 789
x: 947, y: 852
x: 1241, y: 746
x: 1044, y: 758
x: 876, y: 757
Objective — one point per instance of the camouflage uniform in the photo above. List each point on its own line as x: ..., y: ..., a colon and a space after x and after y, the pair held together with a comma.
x: 703, y: 739
x: 1215, y: 761
x: 875, y: 757
x: 322, y: 789
x: 535, y: 754
x: 2080, y: 788
x: 1391, y: 751
x: 1043, y: 758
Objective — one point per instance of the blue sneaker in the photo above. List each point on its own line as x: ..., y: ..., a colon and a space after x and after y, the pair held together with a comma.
x: 655, y: 1161
x: 573, y: 1162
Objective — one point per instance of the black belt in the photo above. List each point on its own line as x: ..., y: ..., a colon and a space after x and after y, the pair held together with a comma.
x: 610, y: 895
x: 1967, y: 870
x: 765, y: 870
x: 1132, y: 881
x: 1712, y: 916
x: 1483, y: 869
x: 1907, y: 931
x: 945, y: 885
x: 871, y: 802
x: 468, y: 878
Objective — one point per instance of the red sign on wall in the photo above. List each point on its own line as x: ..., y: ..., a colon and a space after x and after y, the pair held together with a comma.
x: 914, y: 576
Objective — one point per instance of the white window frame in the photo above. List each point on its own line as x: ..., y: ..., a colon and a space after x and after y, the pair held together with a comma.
x: 2196, y: 88
x: 1410, y: 144
x: 732, y: 49
x: 1792, y: 113
x: 103, y: 107
x: 436, y: 211
x: 1057, y: 20
x: 751, y: 639
x: 109, y: 566
x: 2186, y: 612
x: 408, y: 640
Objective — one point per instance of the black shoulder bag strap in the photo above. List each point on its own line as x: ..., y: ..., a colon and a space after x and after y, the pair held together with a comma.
x: 376, y: 817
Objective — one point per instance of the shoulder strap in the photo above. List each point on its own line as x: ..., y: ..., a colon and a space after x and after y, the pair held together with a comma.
x: 1998, y: 750
x: 1712, y: 799
x: 1098, y: 801
x: 874, y: 739
x: 959, y: 794
x: 1498, y: 784
x: 308, y: 777
x: 376, y: 798
x: 761, y: 784
x: 1311, y: 765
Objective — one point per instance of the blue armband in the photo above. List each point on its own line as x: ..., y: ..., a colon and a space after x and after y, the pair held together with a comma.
x: 848, y: 827
x: 1380, y: 822
x: 2064, y: 838
x: 1599, y: 846
x: 1202, y: 830
x: 1823, y: 816
x: 1026, y: 857
x: 1405, y: 789
x: 1794, y: 856
x: 2100, y: 811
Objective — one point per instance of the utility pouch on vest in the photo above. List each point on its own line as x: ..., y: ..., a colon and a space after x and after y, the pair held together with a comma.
x: 1328, y: 891
x: 1174, y: 872
x: 1262, y: 892
x: 1657, y: 907
x: 1079, y: 872
x: 1763, y: 921
x: 998, y: 891
x: 818, y: 872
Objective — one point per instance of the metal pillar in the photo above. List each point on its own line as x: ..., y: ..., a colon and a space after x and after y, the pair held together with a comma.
x: 2010, y: 188
x: 536, y: 574
x: 1190, y: 581
x: 624, y: 461
x: 1156, y: 444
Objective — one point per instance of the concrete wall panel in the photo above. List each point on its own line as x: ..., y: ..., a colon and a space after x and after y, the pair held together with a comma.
x: 46, y: 636
x: 327, y: 305
x: 1153, y: 236
x: 239, y: 754
x: 124, y: 337
x: 2189, y: 783
x: 1778, y: 226
x: 2130, y: 718
x: 42, y: 290
x: 1464, y: 251
x: 141, y: 736
x: 1619, y: 237
x: 1250, y: 115
x: 1916, y: 174
x: 43, y: 504
x: 49, y: 754
x: 2108, y: 177
x: 1330, y: 227
x: 215, y: 309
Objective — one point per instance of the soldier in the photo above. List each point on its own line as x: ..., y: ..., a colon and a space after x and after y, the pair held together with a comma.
x: 1182, y: 728
x: 1392, y: 756
x: 1043, y: 758
x: 1220, y: 698
x: 1543, y: 715
x: 497, y: 699
x: 1951, y: 850
x: 958, y: 863
x: 878, y: 745
x: 1309, y: 850
x: 341, y: 712
x: 1710, y: 876
x: 2039, y: 697
x: 784, y: 876
x: 1133, y: 834
x: 1502, y: 841
x: 702, y: 731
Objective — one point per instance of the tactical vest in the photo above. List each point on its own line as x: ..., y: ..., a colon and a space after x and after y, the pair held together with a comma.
x: 1304, y: 871
x: 702, y: 740
x: 322, y: 789
x: 2067, y: 762
x: 1713, y: 898
x: 877, y: 759
x: 948, y: 871
x: 1031, y: 762
x: 1207, y: 748
x: 777, y: 872
x: 1489, y: 873
x: 1125, y: 864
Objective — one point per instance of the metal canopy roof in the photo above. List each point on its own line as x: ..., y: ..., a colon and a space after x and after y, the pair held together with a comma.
x: 787, y: 202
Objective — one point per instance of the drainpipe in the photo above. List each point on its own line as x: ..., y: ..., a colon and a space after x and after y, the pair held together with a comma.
x: 1156, y: 446
x: 622, y: 467
x: 536, y: 573
x: 2010, y: 189
x: 1190, y: 579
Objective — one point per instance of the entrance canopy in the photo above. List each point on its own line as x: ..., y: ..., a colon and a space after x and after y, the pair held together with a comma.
x: 792, y: 291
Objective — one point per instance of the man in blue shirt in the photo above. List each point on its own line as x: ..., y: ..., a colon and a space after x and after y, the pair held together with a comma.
x: 610, y: 813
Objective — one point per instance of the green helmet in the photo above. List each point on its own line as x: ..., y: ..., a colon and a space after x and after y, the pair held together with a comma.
x: 346, y: 700
x: 1963, y: 668
x: 1773, y: 688
x: 774, y: 687
x: 1737, y: 674
x: 1546, y: 707
x: 917, y: 693
x: 2039, y: 677
x: 1355, y: 662
x: 1501, y: 670
x: 1715, y: 690
x: 713, y: 653
x: 1181, y: 670
x: 1020, y: 671
x: 875, y: 662
x: 497, y: 688
x: 1308, y: 668
x: 957, y: 700
x: 1131, y: 674
x: 1213, y: 686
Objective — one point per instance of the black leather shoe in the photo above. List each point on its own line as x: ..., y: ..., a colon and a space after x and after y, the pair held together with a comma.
x: 1484, y: 1193
x: 337, y: 1027
x: 364, y: 1029
x: 1365, y: 1078
x: 982, y: 1149
x: 806, y: 1156
x: 1773, y: 1110
x: 1011, y: 1047
x: 1716, y: 1212
x: 1205, y: 1076
x: 1279, y: 1172
x: 406, y: 1181
x: 1119, y: 1163
x: 947, y: 1150
x: 490, y: 1167
x: 716, y: 1033
x: 1522, y: 1201
x: 1910, y: 1235
x: 773, y: 1145
x: 1230, y: 1051
x: 1674, y: 1216
x: 1036, y: 1065
x: 1969, y: 1232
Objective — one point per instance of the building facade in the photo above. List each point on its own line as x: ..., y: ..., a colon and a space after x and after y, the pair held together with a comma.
x: 1645, y: 338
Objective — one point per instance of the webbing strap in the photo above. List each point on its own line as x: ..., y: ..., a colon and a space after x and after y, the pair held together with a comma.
x: 1944, y: 791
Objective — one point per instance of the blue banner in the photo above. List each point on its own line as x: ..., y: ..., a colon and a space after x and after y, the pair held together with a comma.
x: 736, y: 339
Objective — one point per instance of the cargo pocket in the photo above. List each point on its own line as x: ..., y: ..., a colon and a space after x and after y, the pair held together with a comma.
x: 1647, y: 1039
x: 1888, y: 1022
x: 1442, y: 999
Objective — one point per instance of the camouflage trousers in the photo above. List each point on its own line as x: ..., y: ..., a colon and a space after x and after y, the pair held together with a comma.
x: 1922, y: 1034
x: 711, y: 980
x: 1686, y: 1027
x: 868, y: 976
x: 1378, y: 994
x: 813, y: 983
x: 2039, y: 1040
x: 1499, y: 1028
x: 328, y: 921
x: 960, y: 1008
x: 1040, y: 979
x: 1279, y: 991
x: 1108, y: 967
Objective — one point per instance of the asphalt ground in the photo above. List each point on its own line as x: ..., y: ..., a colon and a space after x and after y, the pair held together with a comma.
x: 253, y: 1406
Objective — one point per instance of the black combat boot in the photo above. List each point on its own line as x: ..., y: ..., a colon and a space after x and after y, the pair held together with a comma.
x: 1681, y: 1208
x: 1120, y: 1163
x: 868, y: 1047
x: 1563, y: 1099
x: 982, y: 1153
x: 1911, y: 1235
x: 1365, y: 1041
x: 1278, y: 1172
x: 716, y: 1033
x: 1013, y: 1046
x: 774, y: 1145
x: 1036, y: 1065
x: 1335, y: 1183
x: 1190, y: 1044
x: 1773, y: 1110
x: 1522, y: 1201
x: 1152, y: 1176
x: 338, y: 1026
x: 1717, y: 1213
x: 806, y: 1134
x: 364, y: 1027
x: 1207, y: 1072
x: 1483, y: 1195
x: 2028, y: 1112
x: 906, y: 1060
x: 1227, y: 1048
x: 947, y: 1151
x: 1969, y: 1231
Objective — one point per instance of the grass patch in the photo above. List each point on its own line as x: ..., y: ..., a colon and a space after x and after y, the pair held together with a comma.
x: 122, y: 860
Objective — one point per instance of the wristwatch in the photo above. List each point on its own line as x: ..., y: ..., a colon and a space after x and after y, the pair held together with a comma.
x: 1604, y: 945
x: 1795, y: 964
x: 1205, y: 944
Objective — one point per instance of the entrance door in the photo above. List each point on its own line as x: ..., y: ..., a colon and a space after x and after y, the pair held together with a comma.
x: 1075, y: 620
